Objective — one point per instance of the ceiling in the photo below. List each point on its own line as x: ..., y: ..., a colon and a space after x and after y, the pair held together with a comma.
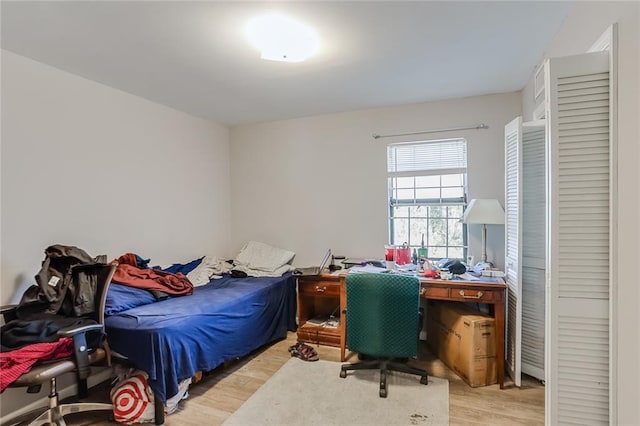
x: 193, y: 56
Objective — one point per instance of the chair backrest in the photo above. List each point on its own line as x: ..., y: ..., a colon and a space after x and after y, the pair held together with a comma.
x: 98, y: 275
x: 105, y: 274
x: 383, y: 314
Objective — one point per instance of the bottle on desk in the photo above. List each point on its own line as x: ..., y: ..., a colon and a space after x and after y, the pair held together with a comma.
x: 422, y: 251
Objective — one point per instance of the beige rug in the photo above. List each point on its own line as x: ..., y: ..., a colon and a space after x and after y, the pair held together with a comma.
x: 312, y: 393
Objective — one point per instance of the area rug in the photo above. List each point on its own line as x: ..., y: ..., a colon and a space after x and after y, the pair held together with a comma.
x: 312, y: 393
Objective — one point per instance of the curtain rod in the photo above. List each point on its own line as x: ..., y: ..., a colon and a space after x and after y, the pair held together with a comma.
x: 476, y: 127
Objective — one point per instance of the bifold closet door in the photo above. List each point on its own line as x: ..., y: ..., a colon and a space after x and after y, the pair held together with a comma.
x: 579, y: 203
x: 533, y: 247
x: 513, y: 246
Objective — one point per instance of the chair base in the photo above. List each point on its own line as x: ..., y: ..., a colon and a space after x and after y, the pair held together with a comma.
x: 55, y: 415
x: 384, y: 365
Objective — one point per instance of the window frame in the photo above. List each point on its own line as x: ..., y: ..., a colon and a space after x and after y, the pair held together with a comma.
x: 392, y: 189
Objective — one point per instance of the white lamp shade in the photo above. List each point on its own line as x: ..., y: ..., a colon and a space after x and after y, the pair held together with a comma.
x: 484, y: 211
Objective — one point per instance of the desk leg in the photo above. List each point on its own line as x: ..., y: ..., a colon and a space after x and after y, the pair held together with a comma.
x: 499, y: 317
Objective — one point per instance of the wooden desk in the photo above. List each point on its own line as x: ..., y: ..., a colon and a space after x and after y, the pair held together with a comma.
x: 493, y: 294
x: 322, y: 293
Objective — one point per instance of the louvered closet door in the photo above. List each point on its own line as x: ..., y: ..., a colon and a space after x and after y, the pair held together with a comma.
x: 533, y: 248
x: 578, y: 374
x: 513, y: 244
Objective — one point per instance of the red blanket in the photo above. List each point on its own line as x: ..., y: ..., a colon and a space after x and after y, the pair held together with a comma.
x: 14, y: 364
x: 129, y: 274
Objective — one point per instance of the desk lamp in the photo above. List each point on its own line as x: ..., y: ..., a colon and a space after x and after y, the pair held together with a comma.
x: 483, y: 212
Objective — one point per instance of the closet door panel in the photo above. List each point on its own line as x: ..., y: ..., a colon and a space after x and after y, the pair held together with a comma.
x: 578, y: 374
x: 533, y: 317
x: 533, y: 248
x: 513, y: 247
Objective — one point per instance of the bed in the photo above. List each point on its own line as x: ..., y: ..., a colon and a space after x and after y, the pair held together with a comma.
x: 173, y: 339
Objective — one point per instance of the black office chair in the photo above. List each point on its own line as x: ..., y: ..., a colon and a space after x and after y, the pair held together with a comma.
x: 79, y: 363
x: 383, y: 323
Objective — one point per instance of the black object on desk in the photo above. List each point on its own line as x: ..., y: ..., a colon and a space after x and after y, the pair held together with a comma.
x: 348, y: 263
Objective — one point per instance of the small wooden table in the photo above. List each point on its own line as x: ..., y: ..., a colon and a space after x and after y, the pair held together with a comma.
x: 323, y: 293
x: 319, y: 296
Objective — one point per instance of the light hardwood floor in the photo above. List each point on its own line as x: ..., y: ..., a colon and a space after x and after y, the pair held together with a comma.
x: 224, y: 390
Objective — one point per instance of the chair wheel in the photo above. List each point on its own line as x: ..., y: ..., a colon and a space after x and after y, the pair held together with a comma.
x: 424, y: 380
x: 383, y: 393
x: 343, y: 373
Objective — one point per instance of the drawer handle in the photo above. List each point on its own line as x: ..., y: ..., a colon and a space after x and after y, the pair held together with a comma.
x: 321, y: 289
x: 477, y: 296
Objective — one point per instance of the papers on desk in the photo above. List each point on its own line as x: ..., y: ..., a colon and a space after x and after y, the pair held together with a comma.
x: 367, y: 268
x: 468, y: 277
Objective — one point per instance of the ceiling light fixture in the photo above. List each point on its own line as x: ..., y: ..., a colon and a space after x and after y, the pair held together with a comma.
x: 280, y: 38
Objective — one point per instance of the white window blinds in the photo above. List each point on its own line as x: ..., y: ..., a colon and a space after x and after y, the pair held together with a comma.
x: 436, y: 157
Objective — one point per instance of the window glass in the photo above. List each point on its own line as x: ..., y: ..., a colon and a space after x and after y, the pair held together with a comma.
x: 452, y: 192
x: 425, y: 193
x: 428, y: 181
x: 438, y: 211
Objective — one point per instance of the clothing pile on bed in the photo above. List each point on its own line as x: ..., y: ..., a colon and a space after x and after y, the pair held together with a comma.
x: 255, y: 259
x: 133, y: 272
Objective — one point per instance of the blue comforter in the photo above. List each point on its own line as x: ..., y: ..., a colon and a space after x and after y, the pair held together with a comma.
x: 173, y: 339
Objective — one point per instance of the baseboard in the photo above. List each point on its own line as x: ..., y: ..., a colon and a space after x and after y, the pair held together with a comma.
x: 93, y: 380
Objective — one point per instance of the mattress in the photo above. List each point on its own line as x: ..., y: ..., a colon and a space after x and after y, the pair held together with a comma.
x: 172, y: 339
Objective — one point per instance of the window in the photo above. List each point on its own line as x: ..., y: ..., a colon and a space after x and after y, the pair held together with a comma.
x: 427, y: 196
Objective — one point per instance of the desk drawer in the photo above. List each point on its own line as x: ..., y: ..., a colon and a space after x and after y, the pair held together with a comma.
x: 319, y: 335
x: 435, y: 292
x: 470, y: 295
x: 320, y: 288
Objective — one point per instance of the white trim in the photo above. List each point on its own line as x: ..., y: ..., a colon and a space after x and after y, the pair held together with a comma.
x: 606, y: 40
x: 540, y: 112
x: 538, y: 82
x: 534, y: 124
x: 433, y: 172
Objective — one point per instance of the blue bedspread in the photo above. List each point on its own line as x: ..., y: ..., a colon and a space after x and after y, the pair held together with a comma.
x: 173, y: 339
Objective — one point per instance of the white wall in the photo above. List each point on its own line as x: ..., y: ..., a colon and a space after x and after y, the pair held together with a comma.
x: 87, y: 165
x: 320, y: 182
x: 584, y: 25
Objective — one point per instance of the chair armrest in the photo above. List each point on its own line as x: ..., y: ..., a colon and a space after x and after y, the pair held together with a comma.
x: 79, y: 335
x: 72, y: 331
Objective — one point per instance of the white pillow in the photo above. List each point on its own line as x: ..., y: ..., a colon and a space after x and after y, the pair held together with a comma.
x: 263, y: 257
